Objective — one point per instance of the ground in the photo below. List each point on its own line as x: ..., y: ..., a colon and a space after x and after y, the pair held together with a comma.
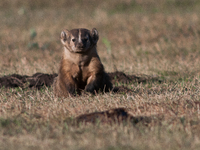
x: 150, y: 50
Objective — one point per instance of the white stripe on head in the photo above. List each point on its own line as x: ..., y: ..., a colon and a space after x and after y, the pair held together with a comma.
x: 79, y: 36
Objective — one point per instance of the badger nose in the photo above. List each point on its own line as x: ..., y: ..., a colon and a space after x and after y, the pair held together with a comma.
x: 80, y: 45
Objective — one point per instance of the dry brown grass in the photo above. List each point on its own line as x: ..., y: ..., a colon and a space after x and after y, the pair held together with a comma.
x: 146, y: 37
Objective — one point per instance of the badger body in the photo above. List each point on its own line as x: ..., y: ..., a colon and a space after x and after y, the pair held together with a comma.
x: 80, y: 66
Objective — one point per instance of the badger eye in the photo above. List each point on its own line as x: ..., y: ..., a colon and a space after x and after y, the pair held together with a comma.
x: 73, y: 40
x: 85, y: 39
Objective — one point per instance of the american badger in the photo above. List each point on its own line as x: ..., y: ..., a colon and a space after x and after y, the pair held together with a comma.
x: 80, y: 67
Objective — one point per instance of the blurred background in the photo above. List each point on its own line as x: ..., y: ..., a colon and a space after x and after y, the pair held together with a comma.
x: 136, y: 36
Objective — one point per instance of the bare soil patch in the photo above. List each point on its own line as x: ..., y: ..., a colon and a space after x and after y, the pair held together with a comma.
x: 116, y: 115
x: 121, y: 77
x: 39, y: 80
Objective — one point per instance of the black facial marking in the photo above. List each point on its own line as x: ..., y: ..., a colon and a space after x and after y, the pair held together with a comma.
x: 85, y: 37
x: 84, y: 40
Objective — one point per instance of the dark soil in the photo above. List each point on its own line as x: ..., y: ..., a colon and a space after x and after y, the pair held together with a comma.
x: 117, y: 115
x: 120, y: 77
x: 39, y: 80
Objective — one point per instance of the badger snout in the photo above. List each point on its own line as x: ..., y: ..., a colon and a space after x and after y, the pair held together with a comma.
x: 80, y: 45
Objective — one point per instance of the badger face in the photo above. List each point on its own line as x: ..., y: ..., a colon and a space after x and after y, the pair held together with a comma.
x: 79, y: 40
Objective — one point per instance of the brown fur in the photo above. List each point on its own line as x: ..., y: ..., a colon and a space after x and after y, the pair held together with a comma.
x: 80, y: 67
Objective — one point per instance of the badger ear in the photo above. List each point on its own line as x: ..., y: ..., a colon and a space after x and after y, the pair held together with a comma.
x: 95, y: 35
x: 64, y: 35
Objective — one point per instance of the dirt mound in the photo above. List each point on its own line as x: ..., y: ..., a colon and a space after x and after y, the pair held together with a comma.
x: 39, y: 80
x: 120, y: 77
x: 116, y: 115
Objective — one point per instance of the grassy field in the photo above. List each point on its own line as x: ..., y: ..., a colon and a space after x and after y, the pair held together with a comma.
x: 137, y: 37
